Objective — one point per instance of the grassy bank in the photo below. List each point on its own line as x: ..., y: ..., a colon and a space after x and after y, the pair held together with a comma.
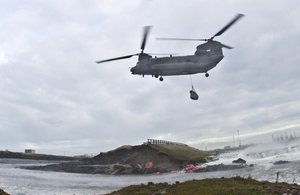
x: 235, y: 185
x: 184, y: 153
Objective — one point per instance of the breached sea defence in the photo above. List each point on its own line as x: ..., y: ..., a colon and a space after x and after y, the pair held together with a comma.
x: 132, y: 160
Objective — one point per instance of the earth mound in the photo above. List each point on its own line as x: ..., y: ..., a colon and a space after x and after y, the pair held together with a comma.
x: 164, y: 157
x: 132, y: 159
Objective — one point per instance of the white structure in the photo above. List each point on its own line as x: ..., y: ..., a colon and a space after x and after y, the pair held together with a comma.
x: 29, y: 151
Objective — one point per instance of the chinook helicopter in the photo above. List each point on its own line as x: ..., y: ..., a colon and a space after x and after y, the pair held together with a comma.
x: 206, y: 57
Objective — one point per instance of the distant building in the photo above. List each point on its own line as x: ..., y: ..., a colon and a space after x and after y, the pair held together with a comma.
x: 29, y: 151
x: 227, y: 147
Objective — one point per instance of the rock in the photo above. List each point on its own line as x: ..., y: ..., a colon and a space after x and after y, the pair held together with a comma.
x: 136, y: 168
x: 219, y: 167
x: 239, y: 161
x: 262, y: 182
x: 268, y: 189
x: 296, y: 187
x: 73, y: 167
x: 150, y: 183
x: 281, y: 162
x: 118, y: 169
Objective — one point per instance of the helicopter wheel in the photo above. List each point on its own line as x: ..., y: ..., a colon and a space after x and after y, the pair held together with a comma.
x: 206, y: 74
x: 156, y: 75
x: 161, y: 79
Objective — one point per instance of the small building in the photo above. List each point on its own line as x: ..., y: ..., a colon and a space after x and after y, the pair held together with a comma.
x: 29, y: 151
x: 227, y: 147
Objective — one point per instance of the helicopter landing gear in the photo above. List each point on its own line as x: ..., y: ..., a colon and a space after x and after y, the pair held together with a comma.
x: 156, y: 76
x: 206, y: 74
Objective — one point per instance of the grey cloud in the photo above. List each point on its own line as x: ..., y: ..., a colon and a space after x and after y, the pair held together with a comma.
x: 54, y: 97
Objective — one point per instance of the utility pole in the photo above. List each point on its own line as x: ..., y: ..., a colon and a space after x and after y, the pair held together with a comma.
x: 239, y: 143
x: 233, y: 142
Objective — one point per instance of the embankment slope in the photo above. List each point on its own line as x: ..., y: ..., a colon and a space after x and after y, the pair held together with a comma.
x: 132, y: 159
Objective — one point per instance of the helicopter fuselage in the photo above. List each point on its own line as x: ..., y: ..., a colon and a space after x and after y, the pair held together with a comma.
x: 206, y: 57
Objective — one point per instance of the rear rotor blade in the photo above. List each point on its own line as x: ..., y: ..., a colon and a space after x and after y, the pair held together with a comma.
x: 118, y: 58
x: 237, y: 17
x: 162, y: 54
x: 146, y: 31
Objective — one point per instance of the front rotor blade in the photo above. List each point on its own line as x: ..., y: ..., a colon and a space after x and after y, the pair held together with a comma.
x: 118, y: 58
x: 228, y: 25
x: 179, y: 39
x: 146, y: 31
x: 227, y: 47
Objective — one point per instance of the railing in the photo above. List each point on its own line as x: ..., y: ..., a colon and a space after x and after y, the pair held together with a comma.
x: 156, y: 142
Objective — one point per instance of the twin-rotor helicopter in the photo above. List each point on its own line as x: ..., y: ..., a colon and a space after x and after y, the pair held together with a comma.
x: 206, y: 57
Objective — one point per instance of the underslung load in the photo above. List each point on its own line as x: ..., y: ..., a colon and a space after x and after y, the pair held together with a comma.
x: 193, y: 94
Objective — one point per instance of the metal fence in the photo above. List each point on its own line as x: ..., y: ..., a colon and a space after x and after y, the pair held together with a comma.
x: 156, y: 142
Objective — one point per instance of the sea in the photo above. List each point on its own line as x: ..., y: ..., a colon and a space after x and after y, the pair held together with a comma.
x: 17, y: 181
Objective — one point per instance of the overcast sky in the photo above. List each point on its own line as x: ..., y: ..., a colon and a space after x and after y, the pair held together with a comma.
x: 54, y: 98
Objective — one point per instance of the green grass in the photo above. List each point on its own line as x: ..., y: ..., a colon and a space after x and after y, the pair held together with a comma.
x: 181, y: 152
x: 125, y: 147
x: 233, y: 186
